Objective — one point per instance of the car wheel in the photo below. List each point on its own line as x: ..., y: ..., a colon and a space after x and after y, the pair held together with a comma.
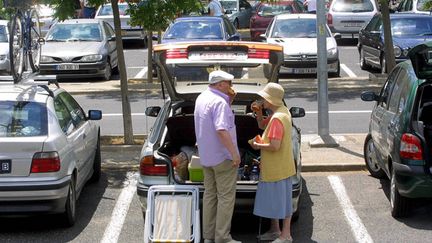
x: 97, y: 163
x: 363, y: 63
x: 237, y: 24
x: 108, y: 71
x: 370, y: 158
x: 337, y: 73
x: 69, y: 216
x: 398, y: 203
x: 383, y: 64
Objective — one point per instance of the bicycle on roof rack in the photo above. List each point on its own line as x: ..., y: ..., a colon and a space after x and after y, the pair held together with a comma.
x: 24, y: 37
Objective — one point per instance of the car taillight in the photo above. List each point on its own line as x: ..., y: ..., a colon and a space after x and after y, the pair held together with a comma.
x: 257, y: 53
x: 329, y: 19
x: 176, y: 53
x: 44, y: 162
x: 410, y: 147
x: 148, y: 167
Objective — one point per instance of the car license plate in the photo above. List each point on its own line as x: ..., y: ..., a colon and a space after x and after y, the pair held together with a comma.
x: 5, y: 166
x: 353, y: 24
x: 304, y: 70
x: 218, y: 56
x: 68, y: 67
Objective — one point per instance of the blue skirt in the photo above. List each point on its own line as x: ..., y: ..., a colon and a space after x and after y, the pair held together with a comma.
x: 274, y: 199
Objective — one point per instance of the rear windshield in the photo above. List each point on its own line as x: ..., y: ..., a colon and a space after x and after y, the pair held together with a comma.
x: 205, y: 30
x: 411, y: 27
x: 107, y: 10
x: 271, y: 10
x: 352, y: 6
x: 22, y: 119
x: 295, y: 28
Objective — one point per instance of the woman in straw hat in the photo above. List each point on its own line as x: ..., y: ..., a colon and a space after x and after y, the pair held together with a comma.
x: 277, y: 164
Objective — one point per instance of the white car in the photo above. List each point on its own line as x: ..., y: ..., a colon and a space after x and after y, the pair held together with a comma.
x: 49, y: 149
x: 46, y: 17
x: 4, y: 46
x: 297, y: 34
x: 128, y: 32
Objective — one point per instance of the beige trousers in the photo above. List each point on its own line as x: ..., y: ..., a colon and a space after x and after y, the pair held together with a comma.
x: 218, y: 202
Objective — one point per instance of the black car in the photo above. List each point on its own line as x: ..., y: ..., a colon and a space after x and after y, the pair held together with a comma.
x: 399, y: 142
x: 408, y: 30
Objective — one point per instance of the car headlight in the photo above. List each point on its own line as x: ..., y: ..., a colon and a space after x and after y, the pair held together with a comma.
x: 397, y: 51
x: 332, y: 52
x: 47, y: 59
x: 91, y: 58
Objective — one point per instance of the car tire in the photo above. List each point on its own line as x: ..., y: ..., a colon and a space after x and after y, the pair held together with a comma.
x: 337, y: 73
x: 97, y: 163
x: 363, y: 63
x: 236, y: 23
x: 69, y: 216
x: 370, y: 158
x: 398, y: 203
x: 108, y: 71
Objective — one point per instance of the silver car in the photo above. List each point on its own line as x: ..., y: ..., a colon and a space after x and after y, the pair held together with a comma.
x: 80, y: 48
x: 348, y: 17
x: 4, y: 46
x: 238, y: 12
x: 128, y: 32
x: 49, y: 150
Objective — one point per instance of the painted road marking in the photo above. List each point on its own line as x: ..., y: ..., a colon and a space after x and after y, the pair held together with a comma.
x: 112, y: 232
x: 142, y: 73
x: 348, y: 71
x: 351, y: 216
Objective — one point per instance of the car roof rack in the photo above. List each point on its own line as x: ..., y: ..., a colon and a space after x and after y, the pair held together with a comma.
x: 34, y: 80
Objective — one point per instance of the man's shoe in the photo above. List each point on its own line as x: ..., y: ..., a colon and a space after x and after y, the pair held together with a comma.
x: 279, y: 240
x: 269, y: 236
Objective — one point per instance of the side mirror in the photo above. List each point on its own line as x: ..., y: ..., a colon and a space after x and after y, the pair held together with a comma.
x: 94, y: 115
x: 369, y: 96
x: 152, y: 111
x: 41, y: 41
x: 262, y: 37
x: 337, y: 36
x: 297, y: 112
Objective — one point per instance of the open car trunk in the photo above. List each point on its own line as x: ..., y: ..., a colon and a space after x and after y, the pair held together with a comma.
x: 181, y: 139
x: 424, y: 114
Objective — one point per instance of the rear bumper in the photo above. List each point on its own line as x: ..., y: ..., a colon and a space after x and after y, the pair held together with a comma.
x: 413, y: 181
x: 40, y: 196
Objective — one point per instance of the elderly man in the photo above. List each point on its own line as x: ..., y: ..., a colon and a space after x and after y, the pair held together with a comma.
x: 217, y: 146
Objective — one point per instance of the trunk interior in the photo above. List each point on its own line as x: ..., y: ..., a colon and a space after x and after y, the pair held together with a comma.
x: 425, y: 118
x: 180, y: 139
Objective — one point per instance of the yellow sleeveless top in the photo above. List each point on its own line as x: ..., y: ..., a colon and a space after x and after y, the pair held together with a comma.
x: 278, y: 165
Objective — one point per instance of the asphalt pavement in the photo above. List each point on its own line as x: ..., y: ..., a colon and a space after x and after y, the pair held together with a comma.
x: 344, y: 152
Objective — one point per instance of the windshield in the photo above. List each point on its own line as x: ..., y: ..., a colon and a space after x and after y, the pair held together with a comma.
x: 22, y: 119
x: 353, y: 6
x: 295, y: 28
x: 75, y: 32
x: 411, y: 27
x: 3, y: 34
x: 229, y: 5
x: 271, y: 10
x: 107, y: 10
x: 205, y: 30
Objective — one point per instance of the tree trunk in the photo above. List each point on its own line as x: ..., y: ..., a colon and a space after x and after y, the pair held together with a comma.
x: 149, y: 57
x: 388, y: 39
x: 127, y: 115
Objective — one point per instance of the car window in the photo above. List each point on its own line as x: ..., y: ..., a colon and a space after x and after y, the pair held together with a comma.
x: 397, y: 100
x: 76, y: 112
x: 352, y: 6
x: 244, y: 4
x: 295, y: 28
x: 3, y: 34
x: 230, y: 29
x: 274, y: 9
x: 374, y: 24
x: 63, y: 116
x: 387, y: 88
x: 411, y: 26
x: 195, y: 30
x: 229, y: 5
x: 107, y: 10
x: 108, y: 30
x: 23, y: 119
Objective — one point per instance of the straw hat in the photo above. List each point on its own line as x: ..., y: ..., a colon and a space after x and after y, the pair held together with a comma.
x: 273, y: 93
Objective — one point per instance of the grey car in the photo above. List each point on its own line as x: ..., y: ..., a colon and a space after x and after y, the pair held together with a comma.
x: 49, y: 150
x: 238, y: 12
x: 80, y: 48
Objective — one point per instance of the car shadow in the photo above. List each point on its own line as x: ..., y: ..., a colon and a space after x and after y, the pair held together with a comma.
x: 43, y: 225
x: 419, y: 210
x: 302, y: 229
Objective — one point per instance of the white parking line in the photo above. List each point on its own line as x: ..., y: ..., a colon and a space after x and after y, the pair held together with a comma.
x: 348, y: 71
x: 339, y: 112
x: 142, y: 73
x: 112, y: 232
x: 351, y: 216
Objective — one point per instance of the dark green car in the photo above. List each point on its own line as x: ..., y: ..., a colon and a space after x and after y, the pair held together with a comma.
x: 399, y: 142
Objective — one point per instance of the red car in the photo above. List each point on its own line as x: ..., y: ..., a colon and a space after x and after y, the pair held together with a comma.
x: 264, y: 13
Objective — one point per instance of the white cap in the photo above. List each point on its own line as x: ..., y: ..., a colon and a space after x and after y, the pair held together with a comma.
x: 218, y: 76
